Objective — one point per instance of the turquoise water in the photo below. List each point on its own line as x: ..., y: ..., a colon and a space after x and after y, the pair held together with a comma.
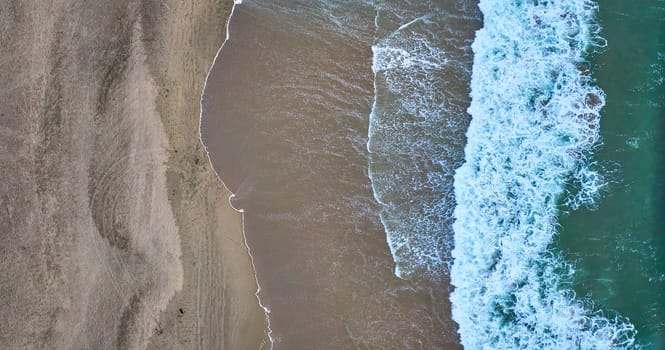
x: 535, y: 120
x: 618, y: 246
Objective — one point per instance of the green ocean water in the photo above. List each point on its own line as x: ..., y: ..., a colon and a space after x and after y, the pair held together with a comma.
x: 618, y: 247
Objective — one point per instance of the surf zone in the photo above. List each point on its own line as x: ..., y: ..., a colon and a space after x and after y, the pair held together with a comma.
x: 535, y: 122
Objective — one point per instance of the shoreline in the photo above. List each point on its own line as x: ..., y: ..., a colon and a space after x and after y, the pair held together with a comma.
x: 242, y: 323
x: 266, y: 310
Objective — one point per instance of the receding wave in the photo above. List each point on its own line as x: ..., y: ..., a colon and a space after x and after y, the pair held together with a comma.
x: 535, y: 122
x: 422, y: 64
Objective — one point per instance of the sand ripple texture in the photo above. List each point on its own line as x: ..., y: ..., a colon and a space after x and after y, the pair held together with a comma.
x: 115, y: 233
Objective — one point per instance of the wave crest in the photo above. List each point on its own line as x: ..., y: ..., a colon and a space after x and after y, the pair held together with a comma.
x: 535, y: 121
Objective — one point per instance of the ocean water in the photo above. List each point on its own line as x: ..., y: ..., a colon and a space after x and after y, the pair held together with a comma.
x: 532, y: 168
x: 618, y: 245
x: 287, y: 115
x: 439, y: 174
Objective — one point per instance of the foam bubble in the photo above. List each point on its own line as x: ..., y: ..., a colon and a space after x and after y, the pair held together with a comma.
x: 535, y: 120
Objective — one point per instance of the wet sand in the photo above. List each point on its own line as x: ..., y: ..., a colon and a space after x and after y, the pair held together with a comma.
x: 116, y: 232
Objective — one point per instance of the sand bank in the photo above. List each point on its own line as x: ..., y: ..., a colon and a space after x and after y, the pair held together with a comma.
x: 116, y: 233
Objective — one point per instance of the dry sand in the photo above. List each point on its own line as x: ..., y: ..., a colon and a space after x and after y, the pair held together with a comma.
x: 115, y: 232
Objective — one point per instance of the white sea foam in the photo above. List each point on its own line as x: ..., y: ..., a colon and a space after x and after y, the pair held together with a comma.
x: 415, y: 243
x: 535, y: 120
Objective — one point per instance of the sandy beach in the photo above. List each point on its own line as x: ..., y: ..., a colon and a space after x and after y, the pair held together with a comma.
x: 116, y: 232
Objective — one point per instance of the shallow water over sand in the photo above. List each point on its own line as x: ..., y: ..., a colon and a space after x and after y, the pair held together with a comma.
x: 286, y: 115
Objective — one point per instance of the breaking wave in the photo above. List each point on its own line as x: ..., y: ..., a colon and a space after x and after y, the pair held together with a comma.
x: 535, y: 122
